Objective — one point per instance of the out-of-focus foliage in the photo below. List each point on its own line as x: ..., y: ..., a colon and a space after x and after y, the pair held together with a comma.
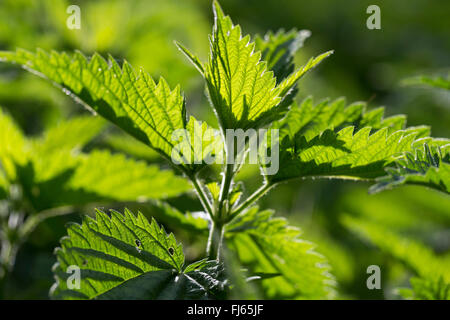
x: 52, y: 171
x: 142, y: 31
x: 436, y: 82
x: 434, y: 272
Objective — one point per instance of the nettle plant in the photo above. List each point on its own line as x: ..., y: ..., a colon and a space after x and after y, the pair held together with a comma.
x: 251, y: 85
x: 51, y: 175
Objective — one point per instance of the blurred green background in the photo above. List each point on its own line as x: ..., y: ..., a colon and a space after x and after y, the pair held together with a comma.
x: 368, y: 65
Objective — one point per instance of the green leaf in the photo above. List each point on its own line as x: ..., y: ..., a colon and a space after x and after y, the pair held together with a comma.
x: 61, y: 179
x: 269, y: 245
x: 243, y: 92
x: 192, y: 58
x: 289, y: 83
x: 310, y: 119
x: 236, y: 193
x: 335, y: 140
x: 130, y: 146
x: 200, y: 144
x: 12, y: 145
x: 278, y: 50
x: 344, y: 155
x: 214, y: 190
x: 428, y: 167
x: 148, y: 110
x: 195, y: 222
x: 123, y: 256
x: 139, y: 181
x: 69, y: 134
x: 53, y: 172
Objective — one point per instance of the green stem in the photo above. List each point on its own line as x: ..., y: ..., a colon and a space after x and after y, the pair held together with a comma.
x: 201, y: 195
x: 215, y: 240
x: 250, y: 200
x: 225, y: 188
